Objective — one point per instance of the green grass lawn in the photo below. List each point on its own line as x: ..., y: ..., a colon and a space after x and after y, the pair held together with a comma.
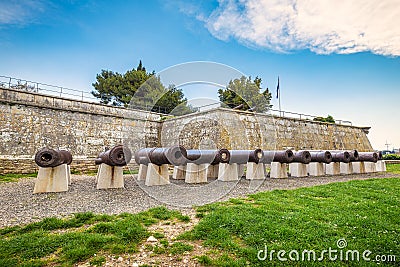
x: 393, y: 168
x: 65, y: 242
x: 364, y: 213
x: 14, y: 177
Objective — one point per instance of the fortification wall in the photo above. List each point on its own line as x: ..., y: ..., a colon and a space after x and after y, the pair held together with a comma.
x: 29, y: 121
x: 231, y: 129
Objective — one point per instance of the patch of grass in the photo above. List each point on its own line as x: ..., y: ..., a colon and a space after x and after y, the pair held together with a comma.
x: 14, y: 177
x: 55, y: 241
x: 393, y: 168
x: 179, y: 248
x: 130, y: 171
x: 364, y: 213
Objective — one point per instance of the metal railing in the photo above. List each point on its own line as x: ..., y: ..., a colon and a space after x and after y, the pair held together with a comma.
x: 60, y: 91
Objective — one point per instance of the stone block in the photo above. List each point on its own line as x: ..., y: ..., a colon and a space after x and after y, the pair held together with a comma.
x: 52, y: 179
x: 255, y: 171
x: 278, y: 170
x: 196, y: 174
x: 142, y: 172
x: 316, y: 169
x: 370, y: 167
x: 298, y: 169
x: 332, y: 168
x: 359, y: 167
x: 157, y: 175
x: 179, y: 173
x: 212, y: 171
x: 228, y: 172
x: 346, y: 168
x: 109, y: 177
x: 381, y: 166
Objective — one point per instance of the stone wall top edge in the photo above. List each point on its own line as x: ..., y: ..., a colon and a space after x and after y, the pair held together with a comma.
x: 226, y: 110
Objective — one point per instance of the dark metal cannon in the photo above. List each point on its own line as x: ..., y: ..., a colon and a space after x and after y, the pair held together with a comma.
x: 281, y: 156
x: 212, y: 157
x: 368, y: 156
x: 354, y: 155
x: 117, y: 156
x: 175, y: 155
x: 321, y: 156
x: 380, y: 156
x: 244, y: 156
x: 340, y: 156
x: 48, y: 158
x: 302, y: 156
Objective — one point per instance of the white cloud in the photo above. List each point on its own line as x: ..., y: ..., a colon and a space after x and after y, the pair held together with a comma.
x: 323, y: 26
x: 19, y: 12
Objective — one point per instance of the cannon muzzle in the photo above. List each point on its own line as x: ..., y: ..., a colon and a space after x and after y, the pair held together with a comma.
x: 244, y: 156
x: 48, y: 158
x: 321, y: 156
x: 281, y: 156
x: 212, y: 157
x: 302, y: 156
x: 354, y: 155
x: 117, y: 156
x: 342, y: 156
x: 175, y: 155
x: 368, y: 156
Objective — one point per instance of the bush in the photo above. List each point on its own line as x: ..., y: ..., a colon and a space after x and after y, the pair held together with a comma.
x: 391, y: 157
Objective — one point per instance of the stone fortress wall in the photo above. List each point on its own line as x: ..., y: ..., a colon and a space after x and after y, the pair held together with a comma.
x: 29, y: 121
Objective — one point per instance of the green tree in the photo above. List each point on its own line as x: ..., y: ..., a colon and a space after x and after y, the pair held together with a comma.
x: 245, y: 94
x: 139, y: 89
x: 329, y: 119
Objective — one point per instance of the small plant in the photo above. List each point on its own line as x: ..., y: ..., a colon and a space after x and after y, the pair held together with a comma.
x: 179, y: 247
x: 391, y: 157
x: 14, y: 177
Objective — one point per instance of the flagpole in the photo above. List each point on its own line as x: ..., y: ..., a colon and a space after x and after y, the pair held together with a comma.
x: 278, y: 94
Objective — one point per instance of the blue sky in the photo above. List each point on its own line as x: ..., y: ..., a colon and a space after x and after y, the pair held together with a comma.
x: 332, y: 57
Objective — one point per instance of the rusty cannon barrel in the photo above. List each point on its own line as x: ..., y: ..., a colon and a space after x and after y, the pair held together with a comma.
x: 281, y: 156
x: 368, y: 156
x: 380, y: 155
x: 212, y: 157
x: 341, y: 156
x: 244, y: 156
x: 321, y: 156
x: 302, y: 156
x: 175, y: 155
x: 353, y: 155
x: 117, y: 156
x: 48, y: 158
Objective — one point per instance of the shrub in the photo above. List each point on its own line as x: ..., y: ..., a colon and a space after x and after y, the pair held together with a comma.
x: 391, y: 157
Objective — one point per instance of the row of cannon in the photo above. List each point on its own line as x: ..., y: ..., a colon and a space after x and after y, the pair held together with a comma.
x: 195, y: 165
x: 178, y: 155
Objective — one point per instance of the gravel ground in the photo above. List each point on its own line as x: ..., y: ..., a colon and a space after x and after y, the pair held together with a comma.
x: 20, y: 206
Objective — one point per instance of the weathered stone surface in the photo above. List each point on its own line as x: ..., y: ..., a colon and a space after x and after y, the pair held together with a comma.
x: 109, y: 177
x: 255, y: 171
x: 332, y: 168
x: 31, y: 121
x: 316, y: 169
x: 157, y: 175
x: 179, y: 173
x: 346, y: 168
x: 196, y: 174
x: 298, y: 169
x: 228, y: 172
x: 52, y: 179
x: 278, y: 170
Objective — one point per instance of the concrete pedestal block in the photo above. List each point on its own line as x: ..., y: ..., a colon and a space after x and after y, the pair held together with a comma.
x: 316, y: 169
x: 241, y: 168
x: 179, y: 173
x: 157, y: 175
x: 370, y: 167
x: 346, y: 168
x: 142, y: 172
x: 298, y: 169
x: 228, y: 172
x: 332, y: 168
x: 196, y: 174
x: 212, y: 171
x: 54, y: 179
x: 69, y: 174
x: 255, y: 171
x: 278, y: 170
x: 109, y: 177
x: 380, y: 166
x: 359, y: 167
